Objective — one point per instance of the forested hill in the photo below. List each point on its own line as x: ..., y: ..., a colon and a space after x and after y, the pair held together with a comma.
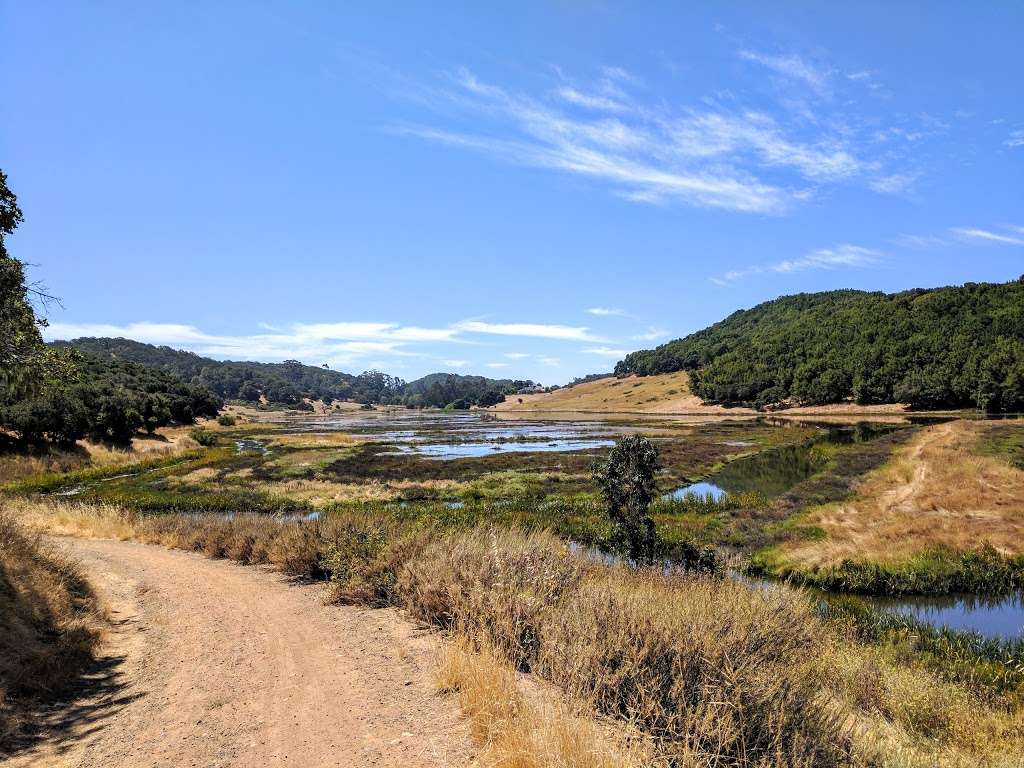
x: 948, y: 347
x: 286, y: 382
x: 443, y: 389
x: 291, y: 381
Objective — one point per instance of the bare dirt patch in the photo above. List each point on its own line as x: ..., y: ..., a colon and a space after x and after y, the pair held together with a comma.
x: 215, y: 664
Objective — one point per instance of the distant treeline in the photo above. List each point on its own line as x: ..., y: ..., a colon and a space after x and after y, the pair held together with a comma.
x: 932, y: 348
x: 441, y: 390
x: 291, y: 382
x: 286, y: 383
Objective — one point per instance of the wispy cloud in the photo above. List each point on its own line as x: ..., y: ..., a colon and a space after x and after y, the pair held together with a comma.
x: 535, y: 330
x: 590, y: 101
x: 973, y: 234
x: 791, y: 66
x: 845, y: 255
x: 606, y: 352
x: 715, y: 134
x: 1015, y: 139
x: 607, y: 312
x: 895, y: 183
x: 651, y: 334
x: 920, y: 241
x: 496, y: 365
x: 336, y: 343
x: 699, y: 156
x: 554, y: 362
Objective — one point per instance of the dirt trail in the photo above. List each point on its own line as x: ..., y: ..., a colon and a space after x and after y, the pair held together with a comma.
x: 215, y: 664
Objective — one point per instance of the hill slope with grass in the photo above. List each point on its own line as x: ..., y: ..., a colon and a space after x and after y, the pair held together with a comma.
x: 952, y: 347
x: 663, y: 393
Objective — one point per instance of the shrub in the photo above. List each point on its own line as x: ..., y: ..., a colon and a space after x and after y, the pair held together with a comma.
x: 627, y: 483
x: 204, y: 437
x: 226, y: 420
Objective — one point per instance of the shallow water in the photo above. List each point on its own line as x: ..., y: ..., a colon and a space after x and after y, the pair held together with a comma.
x: 468, y: 450
x: 988, y: 616
x: 773, y: 472
x: 991, y: 616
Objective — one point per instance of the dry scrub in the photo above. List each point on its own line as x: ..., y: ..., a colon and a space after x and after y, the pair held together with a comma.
x: 528, y: 726
x: 710, y: 672
x: 49, y: 622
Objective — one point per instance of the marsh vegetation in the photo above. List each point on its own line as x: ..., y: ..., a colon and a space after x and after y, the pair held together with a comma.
x: 691, y: 662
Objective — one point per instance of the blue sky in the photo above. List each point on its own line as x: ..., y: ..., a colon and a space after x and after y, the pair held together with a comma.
x: 523, y: 190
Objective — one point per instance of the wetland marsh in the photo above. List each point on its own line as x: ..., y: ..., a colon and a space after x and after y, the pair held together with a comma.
x: 739, y: 487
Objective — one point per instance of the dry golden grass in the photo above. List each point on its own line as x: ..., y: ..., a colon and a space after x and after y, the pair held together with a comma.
x: 50, y: 620
x: 905, y: 718
x: 712, y: 673
x: 167, y: 442
x: 937, y: 492
x: 318, y: 440
x: 666, y: 393
x: 520, y: 725
x: 64, y: 518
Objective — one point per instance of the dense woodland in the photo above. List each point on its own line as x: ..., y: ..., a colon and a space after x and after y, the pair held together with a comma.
x: 286, y: 383
x: 941, y: 348
x: 290, y: 382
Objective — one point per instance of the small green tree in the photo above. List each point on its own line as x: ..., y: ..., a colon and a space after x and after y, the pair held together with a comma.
x: 627, y: 483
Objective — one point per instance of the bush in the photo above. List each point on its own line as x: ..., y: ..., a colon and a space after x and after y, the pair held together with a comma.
x: 226, y: 420
x: 204, y: 437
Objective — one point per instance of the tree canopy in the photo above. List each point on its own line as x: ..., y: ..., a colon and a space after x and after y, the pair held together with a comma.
x: 947, y: 347
x: 289, y: 382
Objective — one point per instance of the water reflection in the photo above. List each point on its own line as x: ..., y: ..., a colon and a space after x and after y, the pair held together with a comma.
x: 989, y: 616
x: 469, y: 450
x: 773, y: 472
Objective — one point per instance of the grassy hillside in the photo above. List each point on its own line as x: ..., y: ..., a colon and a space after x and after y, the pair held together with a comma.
x: 665, y: 393
x: 942, y: 348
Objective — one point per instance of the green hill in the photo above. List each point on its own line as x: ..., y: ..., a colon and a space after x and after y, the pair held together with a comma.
x: 952, y: 347
x: 291, y: 381
x: 443, y: 389
x: 286, y: 382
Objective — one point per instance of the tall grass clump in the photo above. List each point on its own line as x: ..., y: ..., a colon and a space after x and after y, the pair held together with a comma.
x: 719, y: 673
x: 519, y: 730
x: 497, y: 586
x: 49, y: 622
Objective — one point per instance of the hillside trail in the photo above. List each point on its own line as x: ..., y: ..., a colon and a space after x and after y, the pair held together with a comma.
x: 210, y: 663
